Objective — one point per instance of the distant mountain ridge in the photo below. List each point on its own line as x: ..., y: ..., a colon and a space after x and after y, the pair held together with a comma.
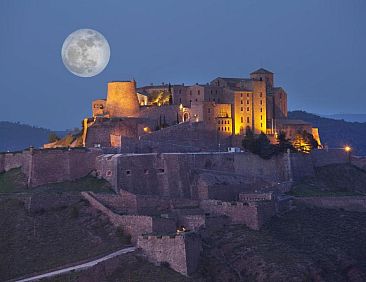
x: 347, y: 117
x: 15, y: 136
x: 336, y: 133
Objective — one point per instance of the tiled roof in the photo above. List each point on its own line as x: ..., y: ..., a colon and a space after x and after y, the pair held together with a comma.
x: 261, y: 71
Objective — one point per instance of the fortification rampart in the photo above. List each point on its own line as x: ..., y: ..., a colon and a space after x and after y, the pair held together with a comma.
x: 254, y: 215
x: 50, y: 165
x: 351, y: 203
x: 134, y: 225
x: 181, y: 252
x: 11, y: 160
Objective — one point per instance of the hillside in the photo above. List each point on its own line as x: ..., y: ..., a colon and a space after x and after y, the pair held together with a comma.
x: 336, y: 133
x: 17, y: 136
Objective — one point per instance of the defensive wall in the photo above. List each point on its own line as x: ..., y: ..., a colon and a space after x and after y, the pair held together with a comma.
x: 252, y: 214
x: 202, y: 222
x: 50, y: 165
x: 187, y: 137
x: 170, y: 174
x: 134, y: 225
x: 351, y: 203
x: 181, y: 252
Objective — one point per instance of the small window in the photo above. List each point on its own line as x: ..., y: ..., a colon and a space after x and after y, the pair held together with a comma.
x: 196, y: 100
x: 261, y: 110
x: 241, y: 108
x: 247, y: 119
x: 247, y: 102
x: 241, y: 119
x: 108, y: 173
x: 128, y: 172
x: 180, y: 91
x: 261, y: 125
x: 260, y: 95
x: 241, y: 95
x: 241, y: 102
x: 180, y: 100
x: 248, y: 109
x: 190, y: 92
x: 209, y: 110
x: 161, y: 170
x: 146, y: 171
x: 261, y: 102
x: 261, y: 117
x: 248, y: 95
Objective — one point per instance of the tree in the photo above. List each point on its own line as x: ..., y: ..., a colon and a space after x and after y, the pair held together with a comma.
x: 249, y: 140
x: 283, y: 142
x: 259, y: 145
x: 52, y: 137
x: 304, y: 142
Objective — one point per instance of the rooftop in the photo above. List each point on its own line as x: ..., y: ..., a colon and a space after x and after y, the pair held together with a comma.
x: 261, y: 71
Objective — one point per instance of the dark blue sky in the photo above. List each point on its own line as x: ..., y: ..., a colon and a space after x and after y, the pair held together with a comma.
x: 316, y: 48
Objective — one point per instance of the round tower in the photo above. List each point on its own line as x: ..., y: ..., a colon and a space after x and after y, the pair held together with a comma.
x: 122, y: 99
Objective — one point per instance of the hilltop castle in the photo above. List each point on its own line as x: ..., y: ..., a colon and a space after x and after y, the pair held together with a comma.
x: 218, y: 114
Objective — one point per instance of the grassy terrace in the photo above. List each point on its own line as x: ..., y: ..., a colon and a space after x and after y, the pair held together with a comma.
x: 14, y: 181
x: 332, y: 180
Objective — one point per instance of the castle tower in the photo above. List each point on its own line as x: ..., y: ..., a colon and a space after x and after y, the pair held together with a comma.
x: 263, y: 75
x: 122, y: 99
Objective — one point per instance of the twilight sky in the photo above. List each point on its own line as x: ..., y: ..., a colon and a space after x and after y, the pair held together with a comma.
x: 316, y: 48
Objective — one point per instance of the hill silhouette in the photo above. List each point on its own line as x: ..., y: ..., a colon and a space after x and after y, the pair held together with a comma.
x: 336, y: 133
x: 15, y: 136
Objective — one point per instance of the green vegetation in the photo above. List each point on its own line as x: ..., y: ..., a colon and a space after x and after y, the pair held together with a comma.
x: 128, y: 267
x: 52, y: 137
x: 336, y: 133
x: 14, y: 181
x: 260, y: 144
x: 305, y: 244
x: 45, y: 232
x: 332, y: 180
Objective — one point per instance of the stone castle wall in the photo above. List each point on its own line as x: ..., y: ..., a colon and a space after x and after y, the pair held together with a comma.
x: 170, y: 174
x: 181, y: 252
x: 12, y: 160
x: 134, y: 225
x: 254, y: 215
x: 50, y: 165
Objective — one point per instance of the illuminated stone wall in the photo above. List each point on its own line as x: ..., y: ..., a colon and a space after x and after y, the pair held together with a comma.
x: 122, y: 99
x: 99, y: 107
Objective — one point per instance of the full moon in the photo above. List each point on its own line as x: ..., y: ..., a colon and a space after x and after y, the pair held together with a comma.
x: 85, y: 52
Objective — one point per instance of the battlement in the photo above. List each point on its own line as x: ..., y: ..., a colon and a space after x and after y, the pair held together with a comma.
x: 180, y: 251
x: 252, y: 214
